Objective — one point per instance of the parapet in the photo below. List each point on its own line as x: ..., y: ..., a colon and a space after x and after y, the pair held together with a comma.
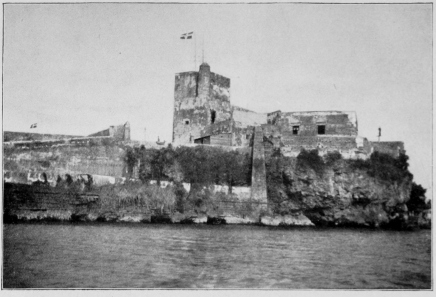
x: 393, y: 148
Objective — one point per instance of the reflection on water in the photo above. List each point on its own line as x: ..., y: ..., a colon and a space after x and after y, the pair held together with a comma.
x: 202, y: 256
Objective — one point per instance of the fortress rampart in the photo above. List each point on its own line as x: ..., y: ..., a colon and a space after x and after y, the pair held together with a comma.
x: 203, y: 115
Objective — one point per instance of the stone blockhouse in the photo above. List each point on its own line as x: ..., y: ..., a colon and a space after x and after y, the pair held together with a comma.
x: 203, y: 114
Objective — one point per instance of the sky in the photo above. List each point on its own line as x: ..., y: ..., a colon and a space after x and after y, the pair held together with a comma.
x: 79, y: 68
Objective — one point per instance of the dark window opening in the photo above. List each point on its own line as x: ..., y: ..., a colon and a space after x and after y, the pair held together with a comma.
x: 204, y: 140
x: 321, y: 129
x: 295, y: 130
x: 213, y: 115
x: 186, y: 122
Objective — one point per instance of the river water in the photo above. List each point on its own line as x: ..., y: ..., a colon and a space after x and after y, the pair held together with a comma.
x: 219, y: 256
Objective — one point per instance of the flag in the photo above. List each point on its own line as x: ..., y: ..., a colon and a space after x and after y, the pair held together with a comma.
x: 33, y: 126
x: 187, y: 35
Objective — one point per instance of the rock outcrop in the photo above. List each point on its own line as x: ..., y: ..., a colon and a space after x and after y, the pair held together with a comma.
x: 340, y: 196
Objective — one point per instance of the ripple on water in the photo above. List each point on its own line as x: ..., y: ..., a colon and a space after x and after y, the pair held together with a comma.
x: 181, y: 256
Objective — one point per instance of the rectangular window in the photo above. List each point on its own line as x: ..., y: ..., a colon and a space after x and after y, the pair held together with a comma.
x: 321, y: 129
x: 295, y: 130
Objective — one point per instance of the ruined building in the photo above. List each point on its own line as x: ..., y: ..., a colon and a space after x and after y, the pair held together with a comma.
x: 203, y: 114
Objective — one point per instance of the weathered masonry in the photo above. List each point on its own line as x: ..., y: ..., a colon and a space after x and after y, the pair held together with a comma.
x: 203, y: 114
x: 29, y: 155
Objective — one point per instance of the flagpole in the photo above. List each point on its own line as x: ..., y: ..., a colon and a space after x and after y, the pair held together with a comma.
x: 203, y: 47
x: 195, y: 51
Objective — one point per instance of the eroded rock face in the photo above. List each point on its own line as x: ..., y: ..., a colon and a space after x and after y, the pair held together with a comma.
x: 341, y: 196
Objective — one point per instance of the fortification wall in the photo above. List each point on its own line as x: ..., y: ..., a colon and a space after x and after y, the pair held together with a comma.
x: 393, y: 148
x: 219, y: 101
x: 217, y: 128
x: 244, y: 118
x: 258, y: 180
x: 347, y: 146
x: 120, y: 132
x: 200, y: 99
x: 24, y: 136
x: 335, y: 122
x: 27, y: 165
x: 291, y: 145
x: 244, y: 121
x: 190, y: 113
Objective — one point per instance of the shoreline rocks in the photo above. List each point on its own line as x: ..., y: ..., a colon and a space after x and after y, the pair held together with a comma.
x: 287, y: 220
x: 421, y: 221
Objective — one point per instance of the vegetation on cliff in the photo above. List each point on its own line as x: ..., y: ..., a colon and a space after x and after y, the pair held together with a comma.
x: 331, y: 190
x: 417, y: 201
x: 198, y: 165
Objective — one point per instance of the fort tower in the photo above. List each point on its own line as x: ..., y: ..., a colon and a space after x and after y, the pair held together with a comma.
x: 201, y: 100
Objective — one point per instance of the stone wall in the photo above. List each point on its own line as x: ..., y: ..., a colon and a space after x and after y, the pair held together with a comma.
x: 244, y: 118
x: 24, y: 136
x: 224, y: 139
x: 27, y: 165
x: 258, y: 181
x: 200, y: 99
x: 345, y: 145
x: 190, y: 114
x: 120, y: 132
x: 244, y: 121
x: 308, y: 123
x: 217, y: 128
x: 394, y: 148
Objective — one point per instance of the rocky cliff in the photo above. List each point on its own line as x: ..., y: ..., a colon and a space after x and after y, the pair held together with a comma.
x: 339, y: 192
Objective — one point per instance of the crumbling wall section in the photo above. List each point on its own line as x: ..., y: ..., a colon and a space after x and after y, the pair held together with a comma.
x: 273, y: 117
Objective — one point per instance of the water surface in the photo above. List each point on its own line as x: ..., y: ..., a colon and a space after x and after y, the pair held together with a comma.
x: 203, y: 256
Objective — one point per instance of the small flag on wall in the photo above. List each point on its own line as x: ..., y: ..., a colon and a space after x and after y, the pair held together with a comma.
x: 33, y: 126
x: 187, y: 35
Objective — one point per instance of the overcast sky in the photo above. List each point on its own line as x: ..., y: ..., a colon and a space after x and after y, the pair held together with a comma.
x: 79, y: 68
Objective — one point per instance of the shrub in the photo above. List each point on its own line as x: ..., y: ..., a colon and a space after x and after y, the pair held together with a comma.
x: 332, y: 157
x: 310, y: 159
x: 181, y: 195
x: 388, y: 168
x: 198, y: 165
x: 276, y: 179
x: 151, y: 197
x: 417, y: 202
x: 383, y: 166
x: 358, y: 164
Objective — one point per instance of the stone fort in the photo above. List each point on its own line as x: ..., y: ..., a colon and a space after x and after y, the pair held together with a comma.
x: 203, y: 115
